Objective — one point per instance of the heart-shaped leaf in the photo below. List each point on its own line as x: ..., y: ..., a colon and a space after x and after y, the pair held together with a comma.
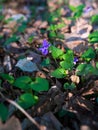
x: 40, y: 84
x: 56, y: 52
x: 7, y: 77
x: 89, y: 54
x: 59, y: 73
x: 27, y: 100
x: 22, y: 82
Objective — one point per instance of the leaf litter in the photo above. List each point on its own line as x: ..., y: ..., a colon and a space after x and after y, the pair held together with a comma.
x: 48, y: 64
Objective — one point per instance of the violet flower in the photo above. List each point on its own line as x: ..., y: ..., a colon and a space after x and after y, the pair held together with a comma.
x: 88, y: 9
x: 75, y: 60
x: 44, y: 47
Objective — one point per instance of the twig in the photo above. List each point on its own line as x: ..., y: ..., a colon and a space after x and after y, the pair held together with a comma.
x: 22, y: 110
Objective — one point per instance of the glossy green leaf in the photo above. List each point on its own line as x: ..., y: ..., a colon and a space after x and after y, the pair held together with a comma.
x: 93, y: 40
x: 68, y: 60
x: 59, y: 73
x: 56, y: 52
x: 40, y: 84
x: 93, y: 35
x: 89, y: 54
x: 3, y: 112
x: 22, y: 82
x: 72, y: 8
x: 7, y: 77
x: 27, y: 100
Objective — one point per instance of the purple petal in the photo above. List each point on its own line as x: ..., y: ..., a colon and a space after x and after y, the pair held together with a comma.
x: 45, y: 43
x: 75, y: 60
x: 88, y: 9
x: 45, y: 52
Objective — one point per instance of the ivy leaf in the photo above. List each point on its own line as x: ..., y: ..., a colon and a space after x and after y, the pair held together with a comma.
x: 59, y: 73
x: 40, y: 84
x: 89, y: 54
x: 7, y: 77
x: 22, y: 82
x: 27, y: 100
x: 3, y: 112
x: 56, y: 52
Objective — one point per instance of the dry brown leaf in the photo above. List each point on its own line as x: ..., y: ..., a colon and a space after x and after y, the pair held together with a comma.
x: 75, y: 79
x: 12, y: 124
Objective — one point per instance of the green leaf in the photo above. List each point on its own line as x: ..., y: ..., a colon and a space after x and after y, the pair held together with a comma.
x: 72, y: 8
x: 40, y: 84
x: 86, y: 69
x: 56, y: 52
x: 68, y: 60
x: 93, y: 35
x: 69, y: 86
x: 94, y: 19
x: 22, y: 28
x: 27, y: 100
x: 59, y: 73
x: 7, y: 77
x: 97, y: 65
x: 3, y: 112
x: 52, y: 34
x: 67, y: 65
x: 30, y: 39
x: 45, y: 62
x: 22, y: 82
x: 79, y: 11
x: 94, y: 40
x: 14, y: 38
x: 89, y: 54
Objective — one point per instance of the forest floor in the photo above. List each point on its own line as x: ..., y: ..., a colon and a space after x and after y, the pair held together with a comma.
x: 48, y: 65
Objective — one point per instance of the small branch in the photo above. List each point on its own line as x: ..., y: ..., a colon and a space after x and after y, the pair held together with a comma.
x: 22, y: 110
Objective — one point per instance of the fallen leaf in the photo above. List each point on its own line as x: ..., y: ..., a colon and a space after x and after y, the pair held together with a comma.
x: 26, y: 65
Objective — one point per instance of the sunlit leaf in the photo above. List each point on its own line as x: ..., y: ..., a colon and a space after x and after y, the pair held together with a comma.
x: 59, y: 73
x: 56, y: 52
x: 94, y: 19
x: 89, y: 54
x: 27, y: 100
x: 40, y: 84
